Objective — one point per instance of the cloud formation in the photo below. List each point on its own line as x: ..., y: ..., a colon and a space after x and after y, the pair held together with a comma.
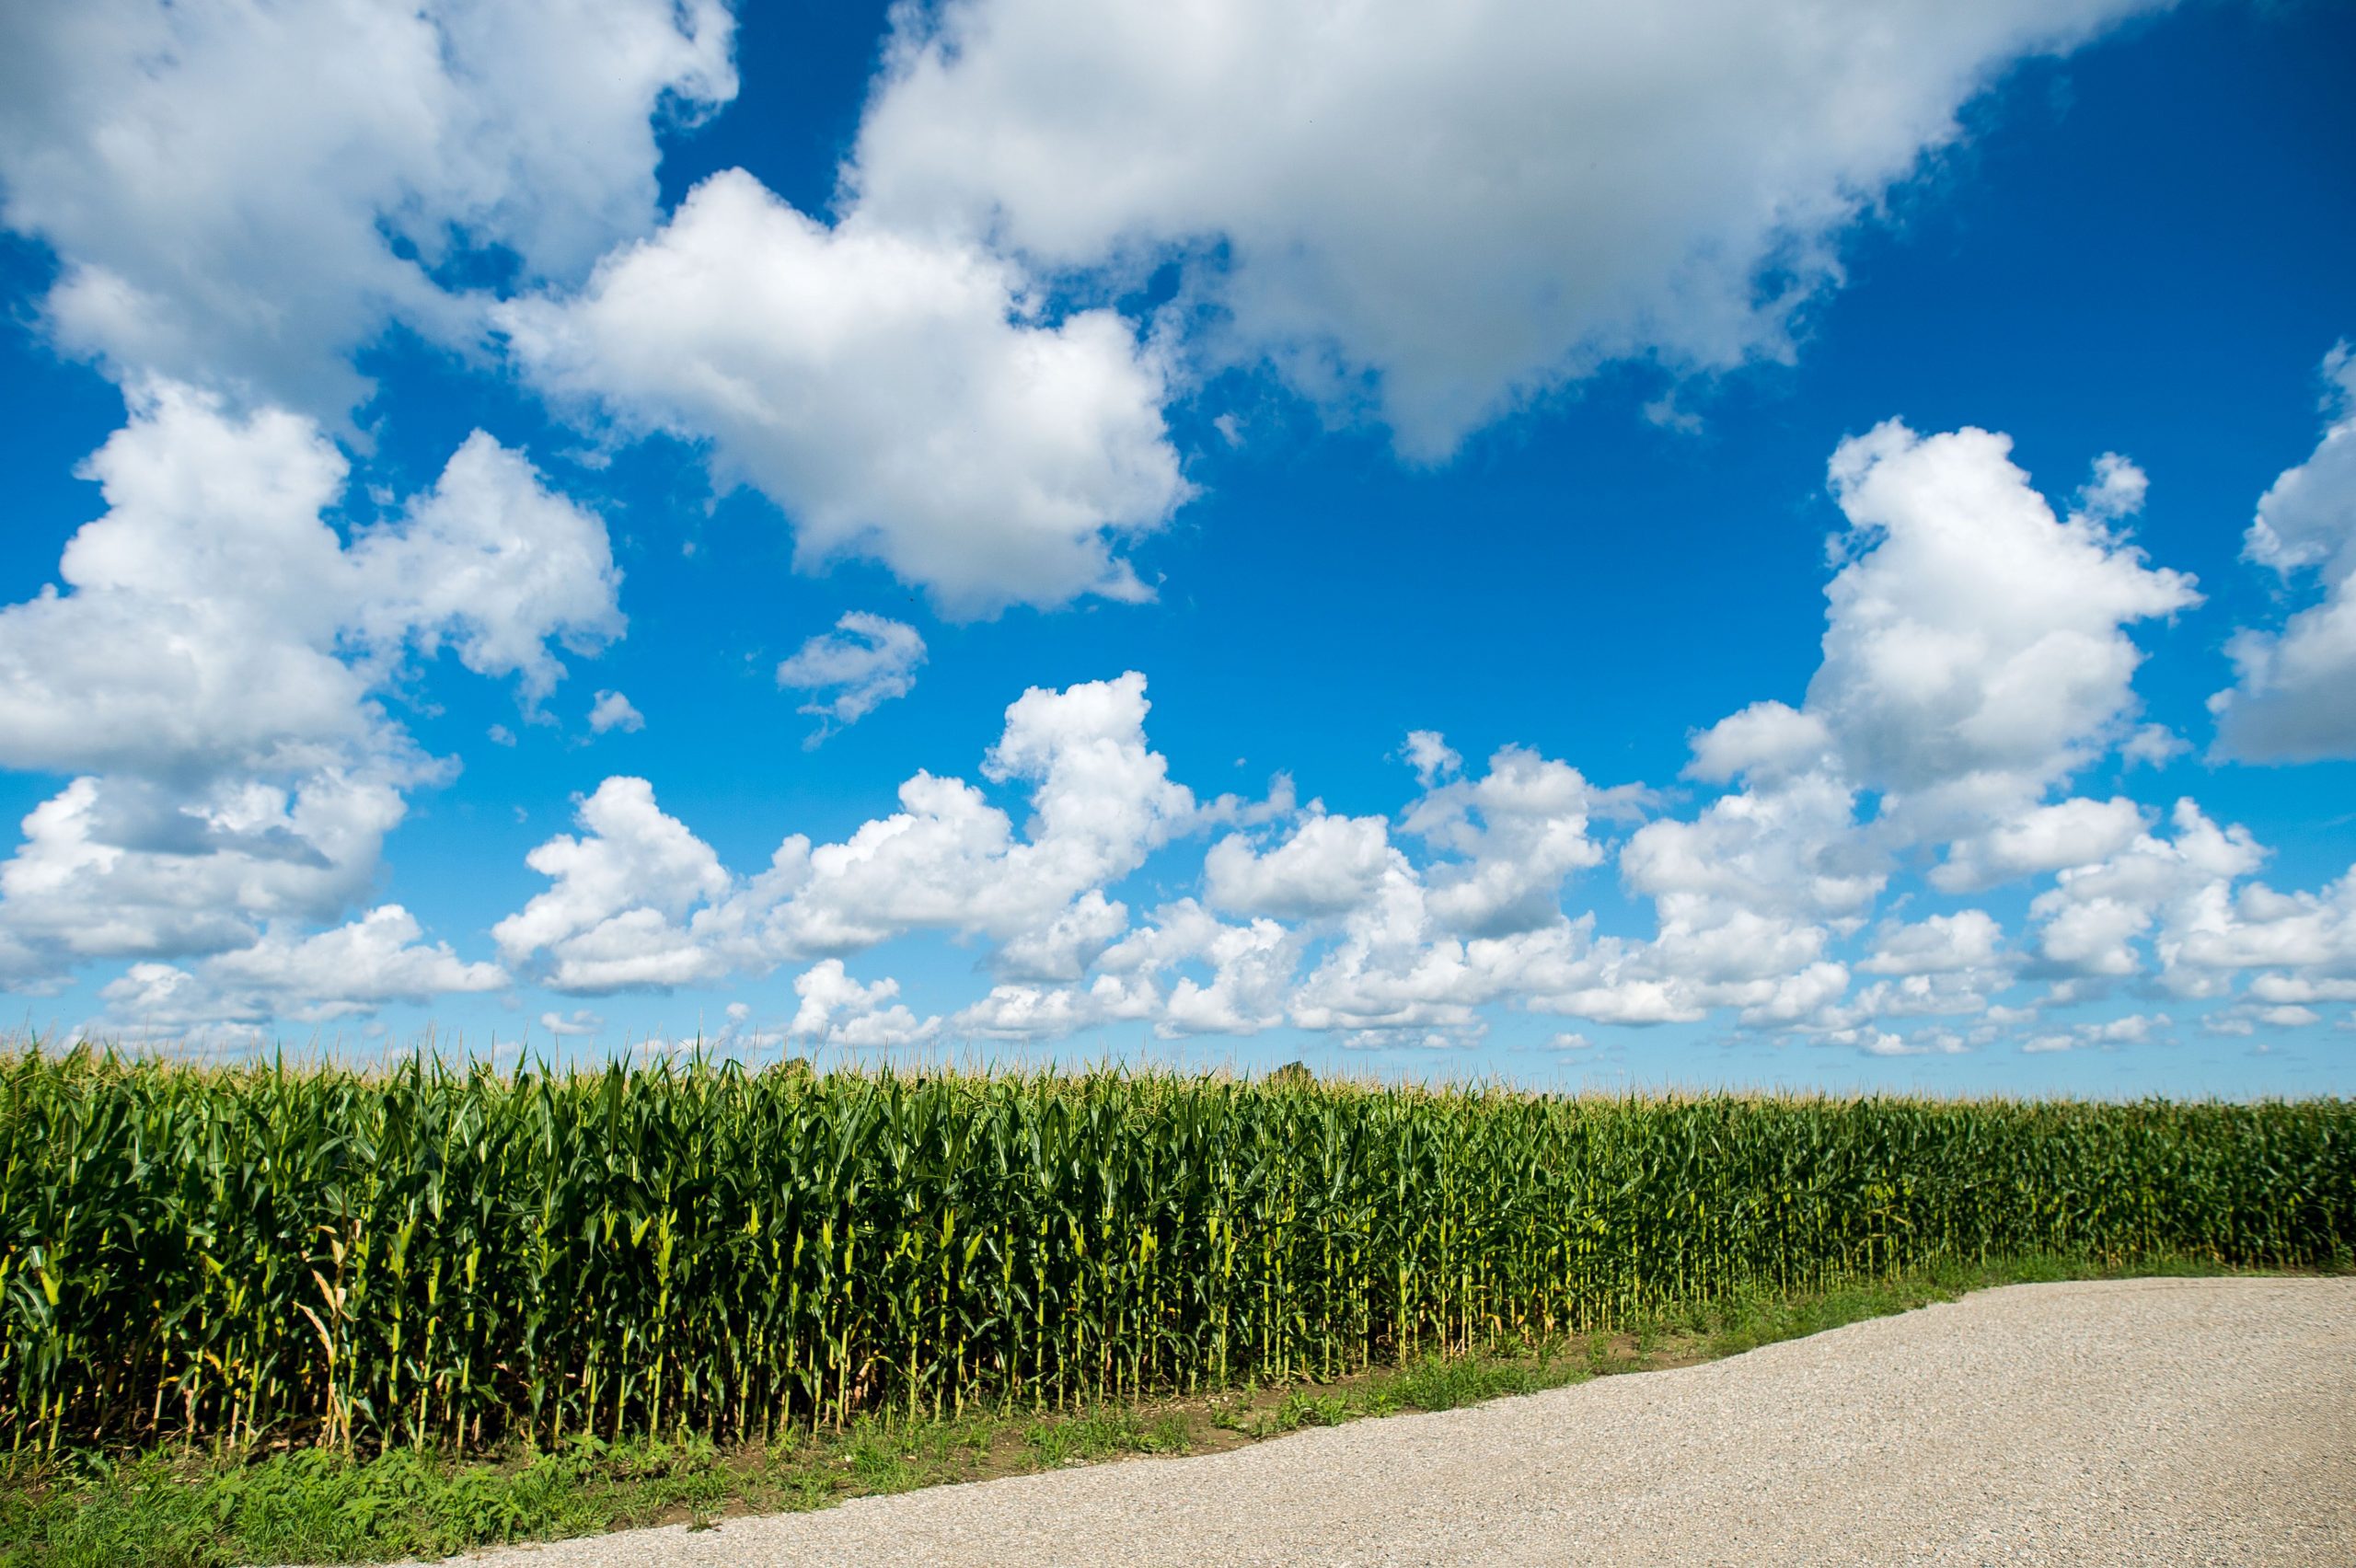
x: 901, y: 399
x: 612, y: 710
x: 2290, y: 700
x: 348, y: 971
x: 1975, y: 645
x: 211, y: 676
x: 1442, y: 213
x: 866, y: 660
x: 1433, y: 219
x: 1977, y: 659
x: 639, y: 900
x: 246, y: 192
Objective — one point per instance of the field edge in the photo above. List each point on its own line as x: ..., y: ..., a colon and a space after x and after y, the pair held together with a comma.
x: 174, y: 1508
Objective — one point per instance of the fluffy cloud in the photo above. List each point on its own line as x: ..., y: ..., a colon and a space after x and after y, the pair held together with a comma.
x: 608, y: 921
x: 2309, y: 939
x: 1767, y: 741
x: 118, y: 868
x: 639, y: 900
x: 1027, y: 1013
x: 1186, y: 971
x: 494, y: 565
x: 269, y: 184
x: 248, y: 193
x: 335, y: 974
x: 2299, y: 990
x: 2076, y: 831
x: 866, y: 660
x: 1419, y: 949
x: 209, y: 673
x: 2243, y: 1019
x: 1790, y: 850
x: 612, y: 710
x: 2136, y: 1028
x: 1947, y: 964
x: 1941, y: 944
x: 1100, y: 799
x: 899, y: 399
x: 1329, y: 865
x: 2179, y: 891
x: 215, y: 621
x: 1515, y: 833
x: 2152, y: 745
x: 1428, y: 752
x: 1250, y: 982
x: 199, y: 630
x: 1065, y: 947
x: 1328, y: 925
x: 1750, y: 893
x: 1975, y: 651
x: 2291, y: 700
x: 838, y: 1010
x: 1443, y: 210
x: 1220, y: 978
x: 1918, y: 996
x: 1975, y: 658
x: 1399, y: 967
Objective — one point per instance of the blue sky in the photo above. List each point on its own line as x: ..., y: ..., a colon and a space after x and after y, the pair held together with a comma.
x: 476, y: 500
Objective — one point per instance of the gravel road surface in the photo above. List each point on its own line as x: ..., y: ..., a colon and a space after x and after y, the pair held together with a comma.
x: 2146, y: 1421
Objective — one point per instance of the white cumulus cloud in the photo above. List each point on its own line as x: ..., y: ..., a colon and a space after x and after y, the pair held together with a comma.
x: 2291, y: 701
x: 211, y: 673
x: 249, y: 192
x: 217, y: 622
x: 866, y: 660
x: 2076, y: 831
x: 838, y: 1010
x: 1975, y: 649
x: 638, y: 900
x: 1329, y: 865
x: 900, y: 398
x: 348, y: 970
x: 1444, y: 211
x: 1969, y: 939
x: 612, y: 710
x: 608, y: 920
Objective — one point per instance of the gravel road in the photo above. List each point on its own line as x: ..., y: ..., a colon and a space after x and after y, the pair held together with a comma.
x: 2144, y: 1422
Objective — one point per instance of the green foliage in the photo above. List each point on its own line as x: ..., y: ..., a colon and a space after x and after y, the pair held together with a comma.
x: 318, y: 1505
x: 1436, y: 1382
x: 1101, y: 1434
x: 178, y: 1509
x: 452, y: 1258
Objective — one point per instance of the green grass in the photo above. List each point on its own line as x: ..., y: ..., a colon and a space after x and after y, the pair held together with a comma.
x: 1105, y: 1434
x: 315, y: 1506
x: 176, y: 1510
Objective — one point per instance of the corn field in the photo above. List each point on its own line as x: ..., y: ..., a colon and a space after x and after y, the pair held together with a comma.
x: 449, y: 1255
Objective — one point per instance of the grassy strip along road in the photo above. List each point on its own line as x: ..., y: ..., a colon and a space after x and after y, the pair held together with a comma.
x: 177, y: 1508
